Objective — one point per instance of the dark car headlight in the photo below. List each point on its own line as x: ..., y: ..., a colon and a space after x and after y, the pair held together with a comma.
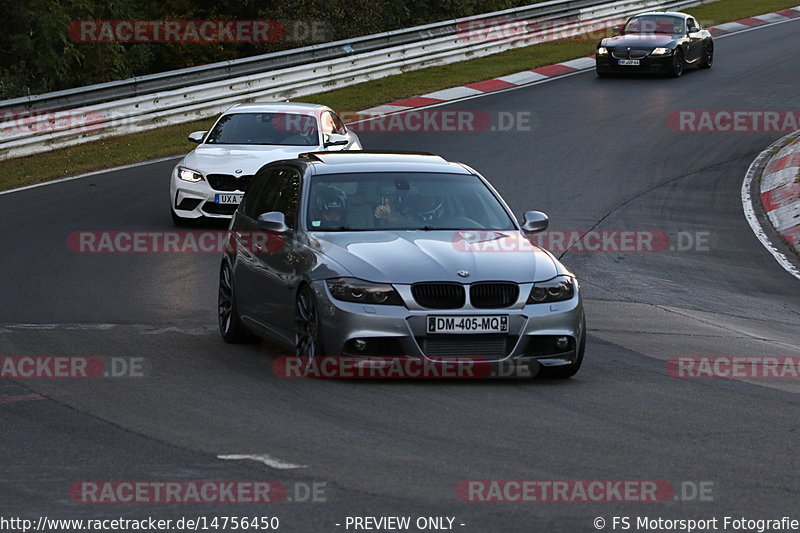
x: 365, y: 292
x: 602, y: 51
x: 661, y: 51
x: 558, y: 289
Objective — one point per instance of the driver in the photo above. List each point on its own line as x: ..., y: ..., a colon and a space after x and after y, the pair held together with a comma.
x: 330, y: 206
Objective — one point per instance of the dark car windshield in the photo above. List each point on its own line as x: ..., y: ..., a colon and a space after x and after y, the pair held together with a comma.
x: 403, y: 201
x: 655, y: 24
x: 282, y: 129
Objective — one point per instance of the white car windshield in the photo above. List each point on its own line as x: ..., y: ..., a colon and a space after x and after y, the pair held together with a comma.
x: 281, y: 129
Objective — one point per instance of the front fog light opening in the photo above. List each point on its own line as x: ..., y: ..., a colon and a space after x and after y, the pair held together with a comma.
x: 562, y: 343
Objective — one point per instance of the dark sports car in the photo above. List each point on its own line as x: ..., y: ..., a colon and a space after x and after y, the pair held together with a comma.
x: 664, y: 43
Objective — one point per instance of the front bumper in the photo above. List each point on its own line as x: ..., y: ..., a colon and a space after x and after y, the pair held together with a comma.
x: 195, y: 200
x: 388, y: 330
x: 648, y: 64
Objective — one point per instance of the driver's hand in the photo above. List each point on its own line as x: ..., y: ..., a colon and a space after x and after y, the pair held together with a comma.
x: 383, y: 211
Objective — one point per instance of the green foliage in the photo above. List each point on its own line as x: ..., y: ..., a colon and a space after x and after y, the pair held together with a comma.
x: 37, y: 54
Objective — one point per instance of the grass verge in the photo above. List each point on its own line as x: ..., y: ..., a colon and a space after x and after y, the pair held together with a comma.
x: 171, y: 140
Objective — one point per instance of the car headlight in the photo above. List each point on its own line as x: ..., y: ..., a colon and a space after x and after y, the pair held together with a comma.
x: 558, y: 289
x: 602, y: 51
x: 189, y: 175
x: 661, y: 51
x: 360, y: 291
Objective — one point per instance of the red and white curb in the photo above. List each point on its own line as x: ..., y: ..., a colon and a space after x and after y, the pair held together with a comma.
x: 553, y: 71
x: 780, y: 192
x: 772, y: 167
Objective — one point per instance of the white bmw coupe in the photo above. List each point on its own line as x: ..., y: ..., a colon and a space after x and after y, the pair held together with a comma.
x: 211, y: 180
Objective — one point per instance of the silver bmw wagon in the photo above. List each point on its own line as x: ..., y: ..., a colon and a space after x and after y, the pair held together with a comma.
x: 401, y: 255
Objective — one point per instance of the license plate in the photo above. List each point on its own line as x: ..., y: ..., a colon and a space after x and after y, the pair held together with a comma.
x: 628, y: 62
x: 228, y: 198
x: 468, y: 324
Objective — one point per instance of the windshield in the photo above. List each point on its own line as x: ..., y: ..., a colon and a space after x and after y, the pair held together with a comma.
x: 281, y: 129
x: 655, y: 24
x: 403, y: 201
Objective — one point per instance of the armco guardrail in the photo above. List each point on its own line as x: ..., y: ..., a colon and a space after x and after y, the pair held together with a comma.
x: 80, y: 115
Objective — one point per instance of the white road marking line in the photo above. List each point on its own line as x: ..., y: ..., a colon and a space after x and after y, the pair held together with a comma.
x: 58, y: 326
x: 268, y: 460
x: 144, y: 329
x: 92, y: 173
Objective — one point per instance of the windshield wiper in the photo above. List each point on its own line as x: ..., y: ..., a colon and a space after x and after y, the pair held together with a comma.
x: 431, y: 228
x: 340, y: 228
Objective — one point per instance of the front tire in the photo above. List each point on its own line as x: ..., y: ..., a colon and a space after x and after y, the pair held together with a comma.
x: 231, y: 328
x: 677, y: 64
x: 308, y: 337
x: 708, y: 57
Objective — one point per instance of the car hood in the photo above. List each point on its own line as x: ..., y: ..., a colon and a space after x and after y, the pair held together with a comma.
x: 225, y: 159
x: 413, y: 256
x: 639, y: 40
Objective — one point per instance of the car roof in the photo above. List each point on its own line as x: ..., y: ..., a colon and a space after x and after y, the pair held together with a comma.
x: 670, y: 13
x: 379, y: 161
x: 275, y: 107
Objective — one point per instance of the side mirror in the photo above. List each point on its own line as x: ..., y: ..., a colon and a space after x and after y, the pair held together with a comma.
x: 197, y: 136
x: 617, y: 30
x: 694, y: 29
x: 273, y: 221
x: 534, y: 221
x: 335, y: 139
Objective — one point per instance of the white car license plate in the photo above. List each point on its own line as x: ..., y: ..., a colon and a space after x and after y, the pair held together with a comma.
x: 628, y: 62
x: 468, y: 324
x: 228, y: 198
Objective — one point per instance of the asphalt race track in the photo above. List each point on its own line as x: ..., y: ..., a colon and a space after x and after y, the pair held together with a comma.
x: 599, y: 155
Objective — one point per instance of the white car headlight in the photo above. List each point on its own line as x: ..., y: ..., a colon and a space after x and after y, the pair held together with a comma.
x: 189, y: 175
x: 661, y: 51
x: 602, y: 51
